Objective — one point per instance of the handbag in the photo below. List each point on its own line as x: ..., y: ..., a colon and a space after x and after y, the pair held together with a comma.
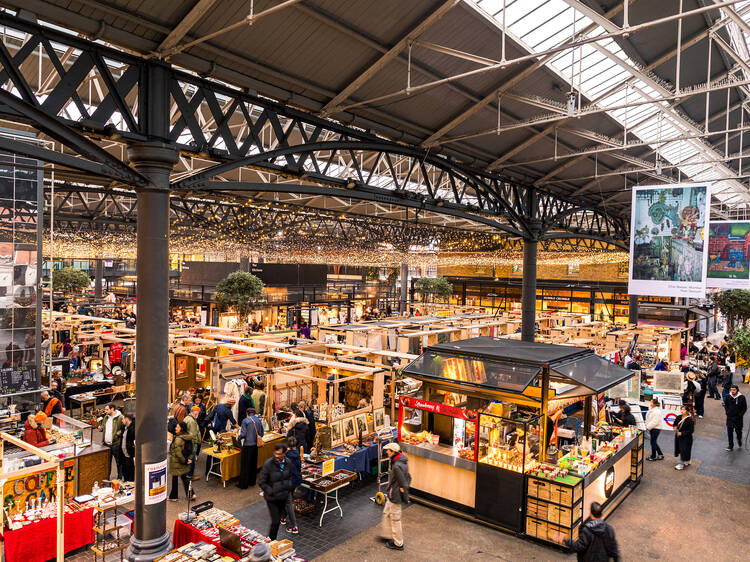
x: 258, y: 439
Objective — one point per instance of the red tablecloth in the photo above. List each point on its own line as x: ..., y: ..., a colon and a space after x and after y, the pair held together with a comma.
x: 184, y: 533
x: 37, y: 542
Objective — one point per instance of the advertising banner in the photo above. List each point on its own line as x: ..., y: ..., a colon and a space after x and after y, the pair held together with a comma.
x: 668, y: 240
x: 728, y: 255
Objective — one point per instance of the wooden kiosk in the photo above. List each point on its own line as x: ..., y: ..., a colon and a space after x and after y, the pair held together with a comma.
x: 478, y: 429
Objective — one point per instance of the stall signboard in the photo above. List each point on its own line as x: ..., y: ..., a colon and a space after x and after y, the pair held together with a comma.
x: 328, y: 466
x: 728, y: 255
x: 37, y: 486
x: 606, y: 484
x: 668, y: 240
x: 443, y: 409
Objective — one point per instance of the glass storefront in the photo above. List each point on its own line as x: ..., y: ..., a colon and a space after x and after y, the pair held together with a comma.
x: 20, y: 253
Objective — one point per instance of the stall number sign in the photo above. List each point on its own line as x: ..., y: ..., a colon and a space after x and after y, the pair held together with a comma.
x: 438, y: 408
x: 38, y: 486
x: 328, y: 466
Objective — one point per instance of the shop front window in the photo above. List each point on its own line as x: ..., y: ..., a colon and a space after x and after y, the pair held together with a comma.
x: 511, y: 444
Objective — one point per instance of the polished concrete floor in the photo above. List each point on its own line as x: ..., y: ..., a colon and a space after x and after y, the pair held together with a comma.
x: 700, y: 513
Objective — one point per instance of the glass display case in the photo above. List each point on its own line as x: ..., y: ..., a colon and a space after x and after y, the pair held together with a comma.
x: 69, y: 430
x: 511, y: 444
x: 440, y: 427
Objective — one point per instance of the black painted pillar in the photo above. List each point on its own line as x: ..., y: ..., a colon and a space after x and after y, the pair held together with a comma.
x: 633, y: 310
x: 154, y: 160
x: 404, y: 288
x: 98, y: 278
x: 528, y: 291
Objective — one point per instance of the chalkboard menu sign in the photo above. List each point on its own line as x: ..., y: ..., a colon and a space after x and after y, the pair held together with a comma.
x: 18, y: 380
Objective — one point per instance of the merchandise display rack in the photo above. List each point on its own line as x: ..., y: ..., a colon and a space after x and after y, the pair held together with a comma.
x: 554, y: 508
x: 636, y: 459
x: 101, y: 530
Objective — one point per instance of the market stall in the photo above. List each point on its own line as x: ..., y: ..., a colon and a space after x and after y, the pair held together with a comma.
x: 482, y: 442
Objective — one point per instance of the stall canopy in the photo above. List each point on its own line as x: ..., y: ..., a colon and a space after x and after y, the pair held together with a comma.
x: 512, y: 365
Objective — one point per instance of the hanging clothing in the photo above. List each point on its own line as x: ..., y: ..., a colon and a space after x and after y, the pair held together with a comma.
x: 115, y: 353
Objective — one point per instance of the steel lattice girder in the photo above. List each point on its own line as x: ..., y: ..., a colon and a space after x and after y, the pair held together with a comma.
x: 101, y: 92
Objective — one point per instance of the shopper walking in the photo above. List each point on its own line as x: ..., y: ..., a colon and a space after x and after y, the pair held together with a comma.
x: 295, y: 462
x: 683, y: 438
x: 596, y: 541
x: 128, y: 448
x: 712, y: 377
x: 653, y: 421
x: 726, y: 383
x: 195, y: 437
x: 735, y: 407
x: 112, y: 429
x: 180, y: 452
x: 276, y: 482
x: 250, y: 431
x: 397, y: 494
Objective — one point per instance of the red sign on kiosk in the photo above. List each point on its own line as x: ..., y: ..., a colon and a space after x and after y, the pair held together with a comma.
x: 443, y: 409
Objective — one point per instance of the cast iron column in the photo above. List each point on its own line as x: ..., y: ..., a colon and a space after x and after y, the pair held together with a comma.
x: 633, y: 310
x: 528, y: 291
x: 155, y: 161
x: 98, y: 275
x: 404, y: 288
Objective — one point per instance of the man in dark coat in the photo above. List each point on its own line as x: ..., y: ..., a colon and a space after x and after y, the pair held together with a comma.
x: 127, y: 445
x: 276, y: 482
x: 735, y: 407
x: 596, y: 541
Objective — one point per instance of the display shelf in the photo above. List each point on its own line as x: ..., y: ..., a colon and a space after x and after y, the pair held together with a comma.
x: 101, y: 530
x: 636, y: 459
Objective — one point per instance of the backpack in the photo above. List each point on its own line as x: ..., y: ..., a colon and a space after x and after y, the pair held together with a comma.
x: 187, y: 449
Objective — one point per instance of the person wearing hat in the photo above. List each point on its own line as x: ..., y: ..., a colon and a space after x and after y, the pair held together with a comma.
x: 194, y: 434
x: 396, y: 495
x: 34, y: 433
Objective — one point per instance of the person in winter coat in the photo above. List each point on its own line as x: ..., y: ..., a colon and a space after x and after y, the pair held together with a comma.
x: 251, y: 429
x: 312, y: 430
x: 295, y: 461
x: 34, y: 433
x: 245, y: 402
x: 179, y: 463
x: 683, y: 438
x: 653, y: 420
x: 396, y: 495
x: 128, y: 448
x: 596, y: 540
x: 276, y: 482
x: 735, y: 407
x: 298, y: 426
x: 726, y: 383
x: 712, y: 377
x: 194, y: 432
x: 699, y: 396
x: 220, y: 415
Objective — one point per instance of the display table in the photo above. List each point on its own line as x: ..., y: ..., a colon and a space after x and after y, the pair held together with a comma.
x: 228, y: 461
x: 72, y: 389
x: 37, y: 542
x: 184, y: 533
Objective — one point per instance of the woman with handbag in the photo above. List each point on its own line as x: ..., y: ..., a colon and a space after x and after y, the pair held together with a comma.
x: 683, y: 438
x: 251, y: 436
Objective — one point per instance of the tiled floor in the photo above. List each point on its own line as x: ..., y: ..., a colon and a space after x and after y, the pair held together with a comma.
x: 360, y: 514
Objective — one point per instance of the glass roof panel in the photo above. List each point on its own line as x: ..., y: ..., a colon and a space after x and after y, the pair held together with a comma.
x: 606, y: 70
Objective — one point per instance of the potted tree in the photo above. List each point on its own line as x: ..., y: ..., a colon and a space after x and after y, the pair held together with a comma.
x: 70, y: 280
x: 243, y: 292
x: 432, y: 287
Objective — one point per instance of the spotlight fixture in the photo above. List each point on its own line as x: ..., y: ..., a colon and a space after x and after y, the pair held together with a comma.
x: 350, y: 183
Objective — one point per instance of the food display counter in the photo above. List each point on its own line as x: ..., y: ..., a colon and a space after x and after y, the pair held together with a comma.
x: 481, y: 439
